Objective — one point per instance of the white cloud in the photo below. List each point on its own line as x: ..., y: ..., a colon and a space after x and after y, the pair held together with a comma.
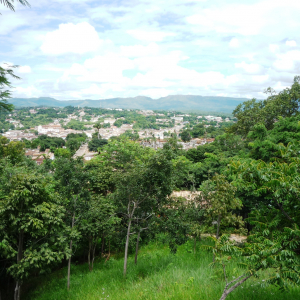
x: 234, y: 43
x: 24, y: 69
x: 273, y: 48
x: 257, y: 17
x: 233, y: 48
x: 249, y: 68
x: 71, y: 38
x: 156, y: 93
x: 149, y: 36
x: 106, y: 69
x: 288, y: 61
x: 29, y: 91
x: 139, y: 50
x: 291, y: 43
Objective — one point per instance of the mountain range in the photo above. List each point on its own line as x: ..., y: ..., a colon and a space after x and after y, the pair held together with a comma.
x: 186, y: 103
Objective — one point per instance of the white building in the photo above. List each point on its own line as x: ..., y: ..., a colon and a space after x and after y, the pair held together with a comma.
x: 43, y: 129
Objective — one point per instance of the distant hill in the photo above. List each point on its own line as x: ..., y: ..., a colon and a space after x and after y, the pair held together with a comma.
x: 172, y: 102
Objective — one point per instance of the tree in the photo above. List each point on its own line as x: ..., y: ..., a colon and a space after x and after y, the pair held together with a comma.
x: 185, y: 136
x: 9, y: 3
x: 95, y: 144
x: 275, y: 235
x: 267, y: 249
x: 98, y: 126
x: 73, y: 144
x: 4, y: 84
x: 13, y: 150
x: 284, y: 104
x: 63, y: 152
x: 71, y: 182
x: 218, y: 197
x: 141, y: 189
x: 31, y: 223
x: 97, y: 220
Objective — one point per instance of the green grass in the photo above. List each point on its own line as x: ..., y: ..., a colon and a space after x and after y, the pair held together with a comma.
x: 158, y: 275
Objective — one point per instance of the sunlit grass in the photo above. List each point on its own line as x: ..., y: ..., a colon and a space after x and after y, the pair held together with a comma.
x: 158, y: 275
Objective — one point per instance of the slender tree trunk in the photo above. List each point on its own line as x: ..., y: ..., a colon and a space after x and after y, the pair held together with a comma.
x: 218, y: 231
x: 69, y: 262
x: 137, y: 247
x: 126, y: 247
x: 17, y: 294
x: 69, y: 266
x: 89, y: 254
x: 102, y: 247
x: 194, y: 245
x: 93, y: 258
x: 218, y: 226
x: 228, y: 290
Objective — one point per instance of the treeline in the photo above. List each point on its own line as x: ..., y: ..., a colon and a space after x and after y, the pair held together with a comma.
x: 247, y: 182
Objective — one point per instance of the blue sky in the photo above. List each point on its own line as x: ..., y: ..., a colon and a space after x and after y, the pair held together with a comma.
x: 81, y: 49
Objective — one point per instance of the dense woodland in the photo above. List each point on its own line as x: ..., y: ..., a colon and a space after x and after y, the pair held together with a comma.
x: 68, y: 211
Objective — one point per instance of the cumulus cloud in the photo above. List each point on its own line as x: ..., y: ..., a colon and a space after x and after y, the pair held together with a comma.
x: 24, y: 69
x: 234, y: 43
x: 291, y: 43
x: 139, y: 50
x: 28, y: 91
x: 288, y: 61
x: 83, y: 51
x: 71, y: 38
x: 149, y: 36
x: 249, y: 68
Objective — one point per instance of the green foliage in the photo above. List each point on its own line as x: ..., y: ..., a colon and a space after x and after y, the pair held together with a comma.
x: 267, y: 112
x: 77, y: 125
x: 9, y: 3
x: 5, y: 83
x: 159, y: 275
x: 218, y: 198
x: 185, y: 136
x: 46, y: 142
x: 130, y: 135
x: 95, y: 144
x: 63, y: 152
x: 12, y: 150
x: 31, y: 222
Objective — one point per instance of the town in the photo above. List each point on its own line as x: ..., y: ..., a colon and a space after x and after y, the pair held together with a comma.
x: 150, y: 128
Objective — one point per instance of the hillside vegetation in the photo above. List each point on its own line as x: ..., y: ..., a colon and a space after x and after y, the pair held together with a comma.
x: 60, y: 219
x: 158, y: 275
x: 175, y: 102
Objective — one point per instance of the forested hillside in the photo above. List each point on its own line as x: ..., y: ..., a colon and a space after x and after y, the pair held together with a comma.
x: 174, y: 102
x: 68, y: 212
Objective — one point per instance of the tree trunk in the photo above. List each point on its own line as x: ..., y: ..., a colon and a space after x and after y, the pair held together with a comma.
x: 17, y: 291
x: 93, y: 258
x: 17, y: 294
x: 194, y: 245
x: 89, y: 254
x: 69, y: 266
x: 69, y: 262
x: 218, y: 231
x: 218, y: 226
x: 126, y: 247
x: 227, y: 290
x: 137, y: 247
x: 102, y: 247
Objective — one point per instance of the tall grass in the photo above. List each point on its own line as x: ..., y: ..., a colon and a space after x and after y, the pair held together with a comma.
x: 158, y: 275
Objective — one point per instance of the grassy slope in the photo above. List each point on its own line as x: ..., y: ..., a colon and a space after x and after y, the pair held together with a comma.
x: 158, y: 275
